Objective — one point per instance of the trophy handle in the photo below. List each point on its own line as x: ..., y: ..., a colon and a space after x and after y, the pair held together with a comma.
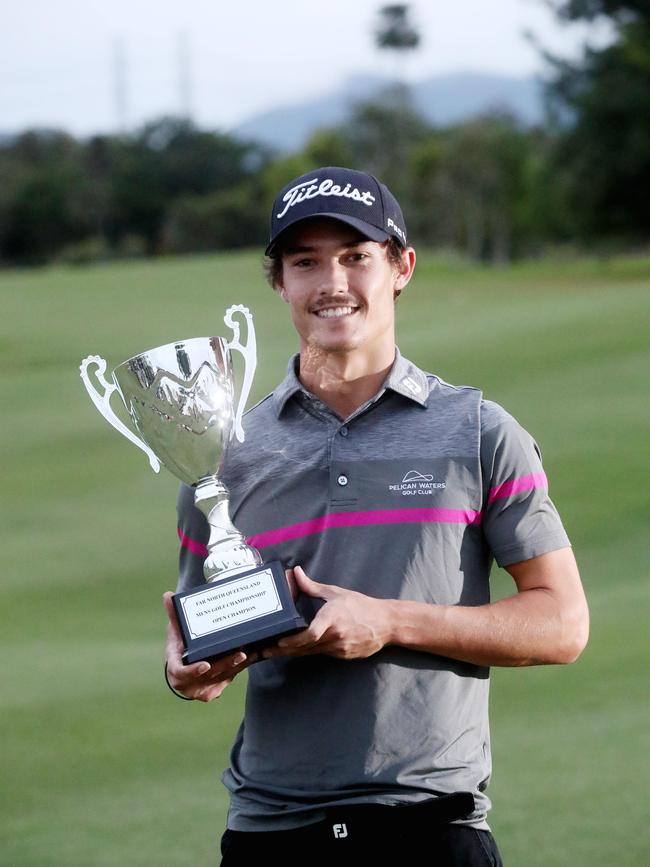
x: 249, y: 351
x: 102, y: 402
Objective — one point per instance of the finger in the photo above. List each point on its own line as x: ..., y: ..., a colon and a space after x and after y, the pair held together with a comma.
x: 205, y: 670
x: 300, y: 639
x: 312, y: 588
x: 212, y: 690
x: 233, y: 660
x: 225, y: 665
x: 308, y: 637
x: 185, y: 674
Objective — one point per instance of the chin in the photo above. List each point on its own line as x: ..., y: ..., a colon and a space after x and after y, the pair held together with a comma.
x: 333, y: 346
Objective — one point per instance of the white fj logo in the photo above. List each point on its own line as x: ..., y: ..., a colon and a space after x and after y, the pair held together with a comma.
x: 340, y: 831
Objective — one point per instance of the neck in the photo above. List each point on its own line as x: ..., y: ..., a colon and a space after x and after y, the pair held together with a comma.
x: 344, y: 381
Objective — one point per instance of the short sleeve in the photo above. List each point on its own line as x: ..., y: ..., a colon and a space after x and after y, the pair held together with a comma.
x: 193, y: 533
x: 519, y: 518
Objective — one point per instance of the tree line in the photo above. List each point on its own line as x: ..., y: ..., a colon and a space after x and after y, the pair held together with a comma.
x: 489, y: 187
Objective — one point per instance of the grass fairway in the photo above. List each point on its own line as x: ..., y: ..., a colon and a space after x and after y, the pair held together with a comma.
x: 102, y: 766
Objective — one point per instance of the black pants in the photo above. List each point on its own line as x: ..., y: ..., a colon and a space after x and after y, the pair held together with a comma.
x: 371, y: 834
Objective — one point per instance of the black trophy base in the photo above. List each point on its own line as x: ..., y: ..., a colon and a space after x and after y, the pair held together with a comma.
x: 248, y: 612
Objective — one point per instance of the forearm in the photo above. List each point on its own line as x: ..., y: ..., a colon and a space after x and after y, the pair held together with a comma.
x: 546, y: 621
x: 529, y: 628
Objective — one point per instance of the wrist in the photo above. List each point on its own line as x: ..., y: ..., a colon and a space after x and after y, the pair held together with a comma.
x: 175, y: 691
x: 391, y: 621
x: 417, y: 625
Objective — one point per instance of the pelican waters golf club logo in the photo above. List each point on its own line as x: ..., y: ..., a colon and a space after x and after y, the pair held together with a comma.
x: 415, y: 483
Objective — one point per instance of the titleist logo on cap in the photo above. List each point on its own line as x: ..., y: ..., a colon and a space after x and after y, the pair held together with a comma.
x: 311, y: 189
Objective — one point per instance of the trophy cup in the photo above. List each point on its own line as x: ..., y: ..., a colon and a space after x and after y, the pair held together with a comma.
x: 180, y: 398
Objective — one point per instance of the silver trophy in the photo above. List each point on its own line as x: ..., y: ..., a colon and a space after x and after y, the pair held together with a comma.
x: 180, y: 398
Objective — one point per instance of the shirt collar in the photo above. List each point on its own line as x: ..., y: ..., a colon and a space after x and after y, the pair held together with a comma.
x: 407, y: 379
x: 403, y: 378
x: 289, y: 385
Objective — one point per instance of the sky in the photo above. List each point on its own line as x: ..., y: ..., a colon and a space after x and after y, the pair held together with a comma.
x: 225, y: 62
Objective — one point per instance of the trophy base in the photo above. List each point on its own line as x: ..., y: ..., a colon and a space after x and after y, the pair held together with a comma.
x: 246, y: 612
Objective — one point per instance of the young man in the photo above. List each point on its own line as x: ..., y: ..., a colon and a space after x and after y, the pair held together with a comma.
x: 386, y: 493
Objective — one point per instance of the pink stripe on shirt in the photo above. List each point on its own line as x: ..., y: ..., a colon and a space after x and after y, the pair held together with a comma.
x: 379, y: 516
x: 518, y: 486
x: 364, y: 519
x: 195, y: 547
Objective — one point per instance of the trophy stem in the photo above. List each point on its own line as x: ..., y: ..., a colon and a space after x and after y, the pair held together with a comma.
x: 228, y: 551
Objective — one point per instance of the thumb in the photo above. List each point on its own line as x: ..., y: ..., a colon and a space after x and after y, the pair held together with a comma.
x: 309, y: 587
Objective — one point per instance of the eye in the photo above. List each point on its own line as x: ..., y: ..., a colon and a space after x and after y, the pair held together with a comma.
x: 358, y: 256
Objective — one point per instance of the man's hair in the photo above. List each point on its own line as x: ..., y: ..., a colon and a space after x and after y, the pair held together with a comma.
x: 273, y: 264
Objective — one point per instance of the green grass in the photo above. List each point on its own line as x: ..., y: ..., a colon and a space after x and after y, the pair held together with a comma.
x: 101, y: 765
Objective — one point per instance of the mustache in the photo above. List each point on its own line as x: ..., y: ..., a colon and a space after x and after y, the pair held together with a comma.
x: 339, y: 302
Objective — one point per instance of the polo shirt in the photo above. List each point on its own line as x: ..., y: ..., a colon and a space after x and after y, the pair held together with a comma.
x: 411, y: 497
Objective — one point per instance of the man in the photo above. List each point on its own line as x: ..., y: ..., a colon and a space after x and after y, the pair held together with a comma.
x: 386, y: 493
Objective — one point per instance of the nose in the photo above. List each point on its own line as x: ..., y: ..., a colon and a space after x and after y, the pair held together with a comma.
x: 333, y: 278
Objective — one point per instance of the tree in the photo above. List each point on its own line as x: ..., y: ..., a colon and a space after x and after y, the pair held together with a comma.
x: 42, y: 185
x: 620, y: 11
x: 217, y: 221
x: 395, y: 30
x: 469, y: 183
x: 381, y: 135
x: 605, y: 148
x: 167, y: 160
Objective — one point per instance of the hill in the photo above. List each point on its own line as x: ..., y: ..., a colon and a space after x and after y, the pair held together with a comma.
x: 442, y: 100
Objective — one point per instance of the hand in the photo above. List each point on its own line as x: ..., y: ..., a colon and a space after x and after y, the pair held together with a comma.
x: 349, y: 626
x: 202, y: 681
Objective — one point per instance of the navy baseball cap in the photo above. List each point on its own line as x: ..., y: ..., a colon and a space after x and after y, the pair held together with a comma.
x: 352, y: 197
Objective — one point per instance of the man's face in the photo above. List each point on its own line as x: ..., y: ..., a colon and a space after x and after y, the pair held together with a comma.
x: 341, y: 287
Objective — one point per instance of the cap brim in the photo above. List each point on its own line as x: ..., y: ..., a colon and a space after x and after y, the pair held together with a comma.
x: 367, y: 229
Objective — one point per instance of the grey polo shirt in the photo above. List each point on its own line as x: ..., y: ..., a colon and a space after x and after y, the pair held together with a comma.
x: 411, y: 497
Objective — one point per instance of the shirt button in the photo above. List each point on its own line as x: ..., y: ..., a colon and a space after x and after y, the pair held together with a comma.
x: 343, y: 431
x: 342, y: 480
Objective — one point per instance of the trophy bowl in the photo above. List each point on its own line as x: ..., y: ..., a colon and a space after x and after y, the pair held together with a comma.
x: 180, y: 398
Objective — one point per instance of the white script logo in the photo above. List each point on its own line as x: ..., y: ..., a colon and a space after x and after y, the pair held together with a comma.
x: 415, y: 483
x: 311, y: 189
x: 340, y: 831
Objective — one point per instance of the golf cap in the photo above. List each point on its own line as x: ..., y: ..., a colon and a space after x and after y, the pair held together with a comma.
x: 352, y: 197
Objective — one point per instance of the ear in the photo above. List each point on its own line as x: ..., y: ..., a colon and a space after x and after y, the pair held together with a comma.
x: 278, y: 285
x: 405, y: 271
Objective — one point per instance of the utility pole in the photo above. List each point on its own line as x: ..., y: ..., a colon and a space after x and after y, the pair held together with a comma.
x: 184, y: 76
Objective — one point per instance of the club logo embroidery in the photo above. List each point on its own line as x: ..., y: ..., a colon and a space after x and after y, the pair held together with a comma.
x: 414, y: 476
x: 416, y: 483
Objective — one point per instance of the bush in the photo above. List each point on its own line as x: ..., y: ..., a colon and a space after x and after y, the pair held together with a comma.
x: 224, y: 220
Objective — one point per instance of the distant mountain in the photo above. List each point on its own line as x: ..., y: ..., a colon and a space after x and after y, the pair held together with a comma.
x: 442, y: 100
